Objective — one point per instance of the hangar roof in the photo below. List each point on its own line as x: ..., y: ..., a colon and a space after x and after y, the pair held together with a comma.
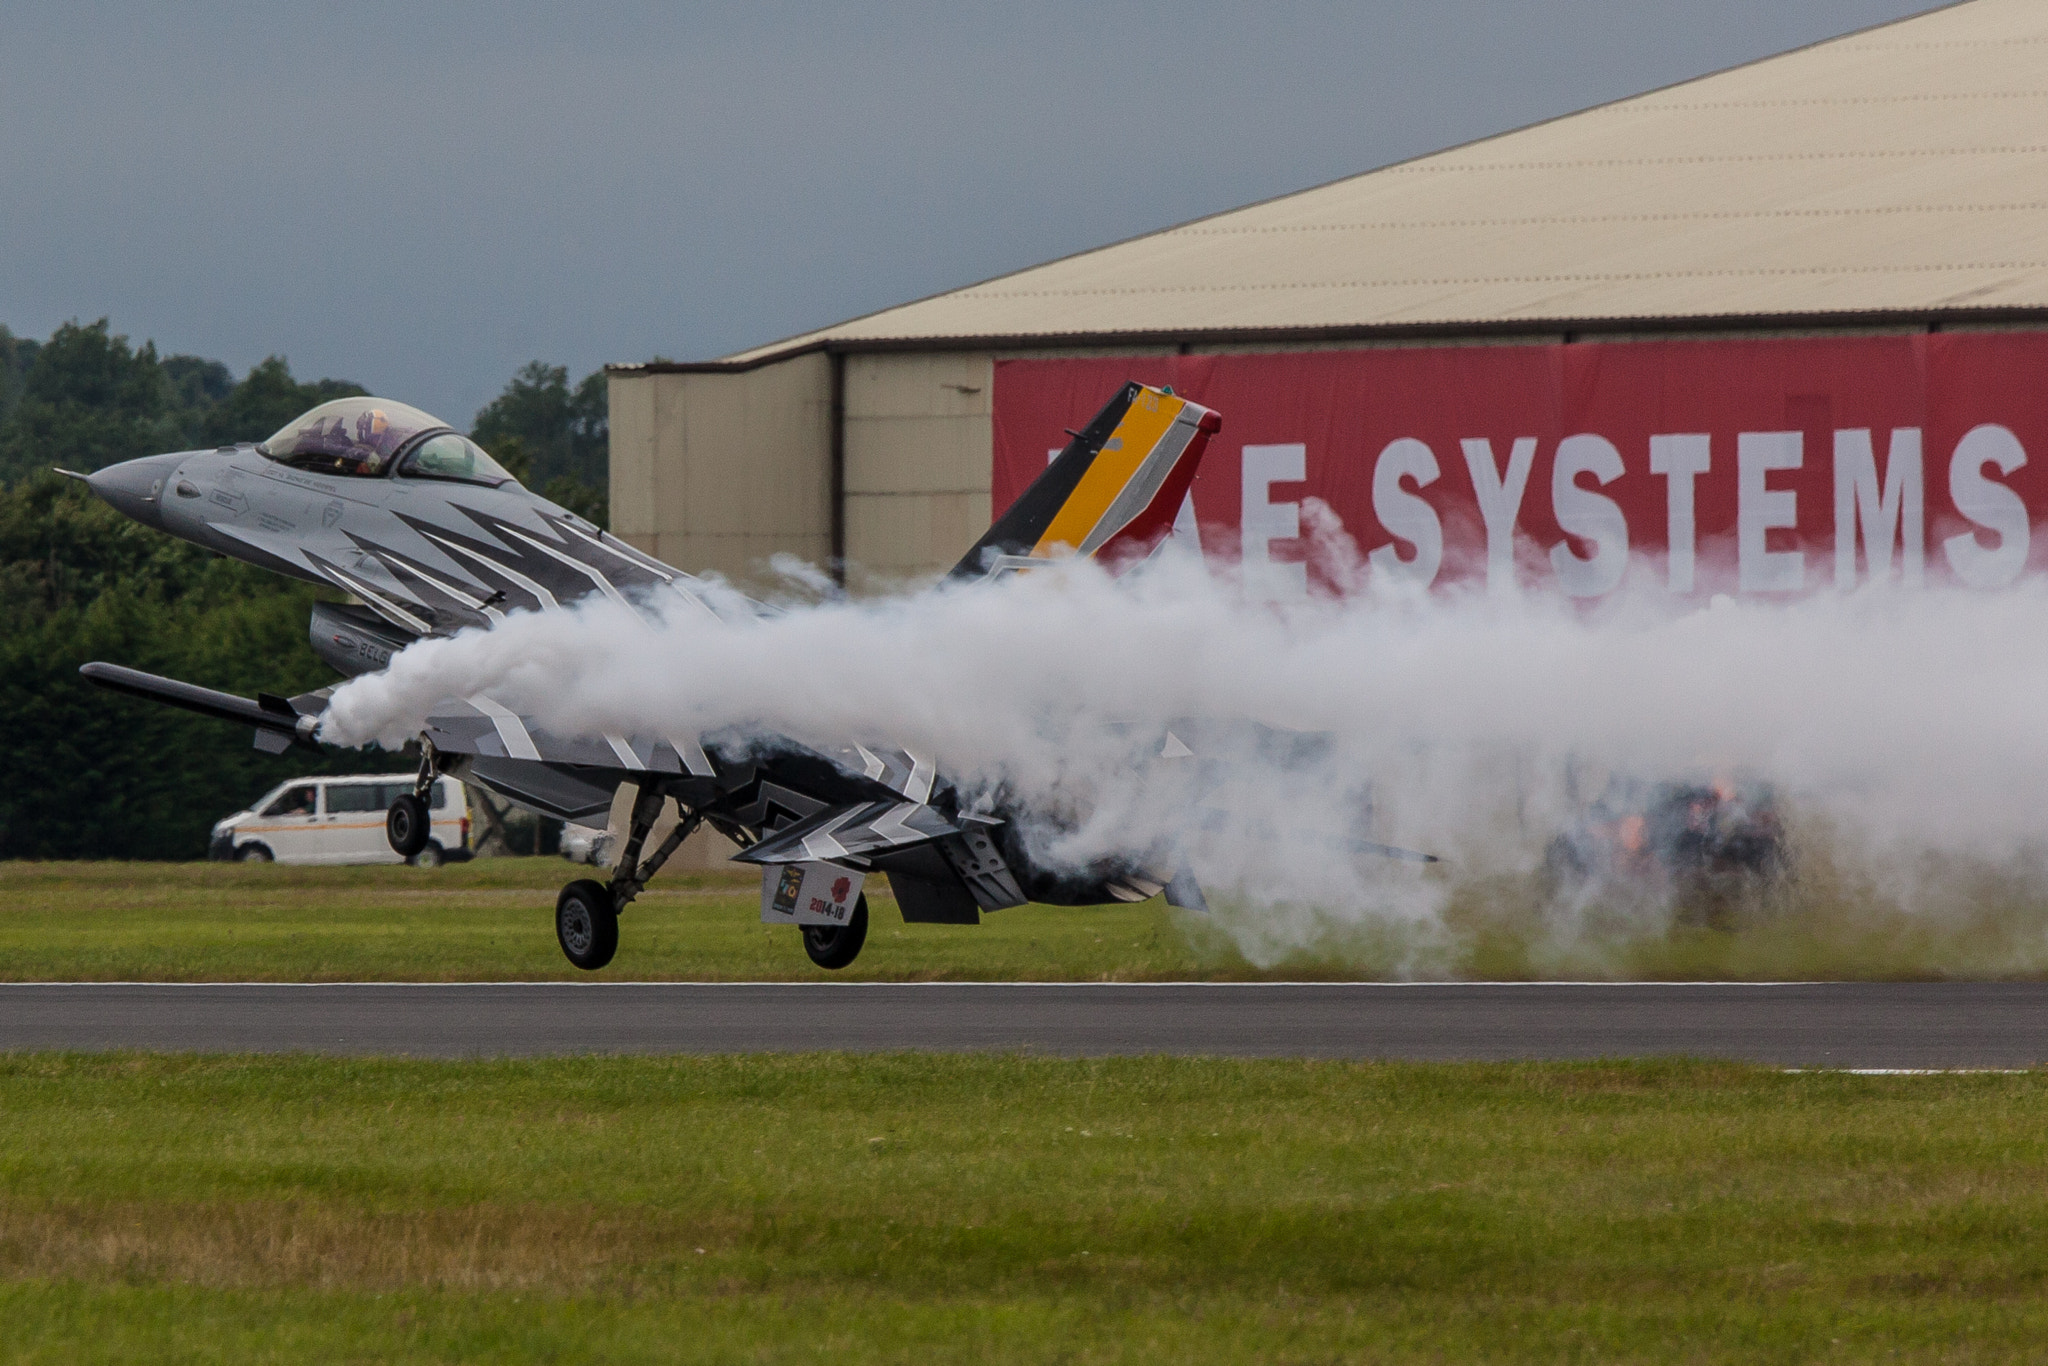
x: 1902, y: 170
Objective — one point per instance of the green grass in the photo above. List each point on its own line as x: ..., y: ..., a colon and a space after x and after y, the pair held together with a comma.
x: 1010, y: 1208
x: 493, y: 920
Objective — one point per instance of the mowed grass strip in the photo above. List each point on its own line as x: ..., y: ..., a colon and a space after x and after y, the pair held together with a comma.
x: 1004, y: 1208
x: 493, y: 920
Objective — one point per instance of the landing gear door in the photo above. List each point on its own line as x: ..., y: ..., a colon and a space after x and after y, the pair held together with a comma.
x: 808, y: 894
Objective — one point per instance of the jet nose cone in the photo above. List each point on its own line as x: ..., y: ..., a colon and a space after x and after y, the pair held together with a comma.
x: 135, y: 488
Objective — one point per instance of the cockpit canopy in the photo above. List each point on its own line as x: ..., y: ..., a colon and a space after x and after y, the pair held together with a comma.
x: 366, y: 437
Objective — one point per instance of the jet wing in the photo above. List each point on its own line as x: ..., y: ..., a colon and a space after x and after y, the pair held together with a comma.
x: 575, y: 779
x: 480, y: 726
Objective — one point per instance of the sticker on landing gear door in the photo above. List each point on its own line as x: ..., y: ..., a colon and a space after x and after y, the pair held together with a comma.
x: 808, y: 894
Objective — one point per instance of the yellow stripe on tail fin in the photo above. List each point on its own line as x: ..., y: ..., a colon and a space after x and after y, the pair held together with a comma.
x: 1111, y: 494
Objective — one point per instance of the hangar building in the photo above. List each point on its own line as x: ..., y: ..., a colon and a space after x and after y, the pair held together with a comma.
x: 1893, y: 181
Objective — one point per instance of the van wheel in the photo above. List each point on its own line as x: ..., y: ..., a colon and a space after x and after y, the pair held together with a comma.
x: 429, y: 857
x: 835, y: 946
x: 407, y: 825
x: 586, y: 924
x: 254, y: 853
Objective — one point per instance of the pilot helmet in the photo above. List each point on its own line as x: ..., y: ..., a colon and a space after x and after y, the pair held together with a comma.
x: 373, y: 434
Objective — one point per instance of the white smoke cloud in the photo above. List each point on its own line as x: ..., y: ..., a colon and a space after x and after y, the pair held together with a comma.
x: 1906, y: 723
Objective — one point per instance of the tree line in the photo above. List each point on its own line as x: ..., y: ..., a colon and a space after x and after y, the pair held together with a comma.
x: 84, y: 773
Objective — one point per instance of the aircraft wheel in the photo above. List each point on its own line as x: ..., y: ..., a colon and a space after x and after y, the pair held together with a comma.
x: 429, y: 857
x: 254, y: 853
x: 834, y: 946
x: 586, y: 925
x: 407, y: 825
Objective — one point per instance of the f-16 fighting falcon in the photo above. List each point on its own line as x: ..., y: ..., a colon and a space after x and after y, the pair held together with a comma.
x: 427, y: 535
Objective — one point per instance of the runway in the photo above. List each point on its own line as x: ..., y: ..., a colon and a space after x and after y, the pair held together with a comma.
x: 1843, y: 1024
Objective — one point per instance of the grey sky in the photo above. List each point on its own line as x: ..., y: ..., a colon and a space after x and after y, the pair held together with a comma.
x: 423, y: 196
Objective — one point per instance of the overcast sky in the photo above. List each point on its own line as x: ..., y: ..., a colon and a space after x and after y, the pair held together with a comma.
x: 423, y: 196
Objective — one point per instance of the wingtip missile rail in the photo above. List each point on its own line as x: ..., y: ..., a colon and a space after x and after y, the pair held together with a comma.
x: 271, y: 716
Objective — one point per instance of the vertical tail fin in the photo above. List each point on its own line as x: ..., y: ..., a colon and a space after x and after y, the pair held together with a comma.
x: 1111, y: 494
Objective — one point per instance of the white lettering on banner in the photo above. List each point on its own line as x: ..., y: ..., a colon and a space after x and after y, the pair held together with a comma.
x: 1265, y: 521
x: 1500, y: 501
x: 1990, y: 505
x: 1680, y: 457
x: 1896, y: 515
x: 1760, y: 508
x: 1588, y: 515
x: 1407, y: 516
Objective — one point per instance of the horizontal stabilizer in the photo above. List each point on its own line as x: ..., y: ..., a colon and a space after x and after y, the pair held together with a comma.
x: 1392, y: 851
x: 858, y: 831
x: 1186, y: 893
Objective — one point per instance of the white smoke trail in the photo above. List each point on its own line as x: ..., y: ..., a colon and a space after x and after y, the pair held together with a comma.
x: 1910, y: 722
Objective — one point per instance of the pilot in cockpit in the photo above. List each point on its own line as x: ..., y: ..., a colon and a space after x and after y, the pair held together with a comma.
x: 373, y: 440
x: 362, y: 436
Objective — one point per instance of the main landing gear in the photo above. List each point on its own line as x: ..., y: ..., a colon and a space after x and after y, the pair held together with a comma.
x: 587, y: 924
x: 587, y: 911
x: 408, y: 824
x: 835, y: 946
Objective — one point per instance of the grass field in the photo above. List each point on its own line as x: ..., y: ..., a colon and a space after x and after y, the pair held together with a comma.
x: 1014, y: 1209
x: 493, y: 920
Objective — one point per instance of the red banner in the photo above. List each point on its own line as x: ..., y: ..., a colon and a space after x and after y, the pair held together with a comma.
x: 1760, y: 467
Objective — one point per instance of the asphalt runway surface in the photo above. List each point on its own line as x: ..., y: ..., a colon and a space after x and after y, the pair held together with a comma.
x: 1839, y: 1024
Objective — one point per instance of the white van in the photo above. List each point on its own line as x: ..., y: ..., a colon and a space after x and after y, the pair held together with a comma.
x: 340, y: 820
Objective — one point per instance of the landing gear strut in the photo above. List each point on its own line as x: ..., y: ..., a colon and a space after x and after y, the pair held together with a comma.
x: 409, y: 824
x: 587, y: 911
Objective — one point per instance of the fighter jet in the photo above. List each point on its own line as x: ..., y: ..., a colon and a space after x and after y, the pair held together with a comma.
x: 427, y: 536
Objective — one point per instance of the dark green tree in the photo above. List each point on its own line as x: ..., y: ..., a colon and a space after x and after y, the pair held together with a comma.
x: 266, y: 399
x: 85, y: 774
x: 87, y: 400
x: 196, y: 383
x: 554, y: 438
x: 16, y: 355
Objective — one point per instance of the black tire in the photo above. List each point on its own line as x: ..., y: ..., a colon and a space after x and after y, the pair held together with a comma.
x: 254, y: 853
x: 834, y: 946
x: 407, y: 825
x: 586, y: 924
x: 429, y: 857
